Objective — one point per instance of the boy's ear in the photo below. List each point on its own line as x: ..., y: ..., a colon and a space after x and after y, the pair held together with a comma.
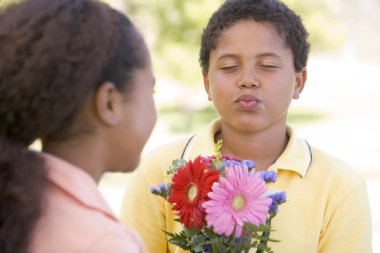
x: 107, y: 104
x: 206, y: 84
x: 300, y: 83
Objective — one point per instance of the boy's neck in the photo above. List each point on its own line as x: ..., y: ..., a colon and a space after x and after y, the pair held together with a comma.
x: 263, y: 147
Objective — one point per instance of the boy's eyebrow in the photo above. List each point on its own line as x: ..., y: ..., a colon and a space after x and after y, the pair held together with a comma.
x: 261, y: 55
x: 229, y: 55
x: 269, y: 54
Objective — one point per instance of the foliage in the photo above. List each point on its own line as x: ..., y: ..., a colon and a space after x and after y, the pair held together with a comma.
x: 5, y: 3
x: 326, y: 31
x: 207, y: 241
x: 173, y: 29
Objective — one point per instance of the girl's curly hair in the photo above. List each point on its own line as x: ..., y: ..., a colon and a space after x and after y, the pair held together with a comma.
x: 287, y: 23
x: 53, y: 55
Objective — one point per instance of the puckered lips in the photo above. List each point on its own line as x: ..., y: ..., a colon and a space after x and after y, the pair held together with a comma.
x: 247, y: 102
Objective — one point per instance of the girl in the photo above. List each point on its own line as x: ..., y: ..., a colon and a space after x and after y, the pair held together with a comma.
x: 77, y: 75
x: 253, y: 57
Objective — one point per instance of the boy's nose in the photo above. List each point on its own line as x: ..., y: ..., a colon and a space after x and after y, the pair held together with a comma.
x: 249, y: 82
x: 248, y: 78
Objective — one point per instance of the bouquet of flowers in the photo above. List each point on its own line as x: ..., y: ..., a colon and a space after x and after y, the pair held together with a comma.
x: 222, y: 202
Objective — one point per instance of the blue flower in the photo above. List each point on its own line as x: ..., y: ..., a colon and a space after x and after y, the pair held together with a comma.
x: 273, y: 208
x: 229, y: 163
x: 162, y: 187
x: 161, y: 190
x: 208, y: 248
x: 249, y: 163
x: 277, y: 199
x: 153, y: 190
x: 242, y: 239
x: 269, y: 176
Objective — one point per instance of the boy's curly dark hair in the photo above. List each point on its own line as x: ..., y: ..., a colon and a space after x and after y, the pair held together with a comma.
x: 287, y: 23
x: 53, y: 55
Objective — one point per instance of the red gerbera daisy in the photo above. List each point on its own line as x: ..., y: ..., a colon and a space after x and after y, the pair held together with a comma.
x: 189, y: 191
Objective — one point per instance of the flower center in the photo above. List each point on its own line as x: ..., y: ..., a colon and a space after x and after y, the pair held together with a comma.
x: 192, y: 192
x: 238, y: 202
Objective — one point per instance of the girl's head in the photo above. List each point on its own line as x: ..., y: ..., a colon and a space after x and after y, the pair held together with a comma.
x: 54, y: 54
x: 272, y: 12
x: 68, y: 68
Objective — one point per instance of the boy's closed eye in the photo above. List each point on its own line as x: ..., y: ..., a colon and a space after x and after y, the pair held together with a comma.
x: 269, y: 66
x: 229, y: 68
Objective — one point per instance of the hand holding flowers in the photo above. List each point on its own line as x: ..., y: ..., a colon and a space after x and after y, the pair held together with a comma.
x: 222, y: 202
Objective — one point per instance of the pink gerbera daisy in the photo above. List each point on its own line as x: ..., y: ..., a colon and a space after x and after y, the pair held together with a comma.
x: 237, y: 199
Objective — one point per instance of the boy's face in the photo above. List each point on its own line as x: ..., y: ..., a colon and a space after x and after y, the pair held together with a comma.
x: 251, y: 78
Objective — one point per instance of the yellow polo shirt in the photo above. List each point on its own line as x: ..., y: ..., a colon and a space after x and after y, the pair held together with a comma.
x: 327, y: 208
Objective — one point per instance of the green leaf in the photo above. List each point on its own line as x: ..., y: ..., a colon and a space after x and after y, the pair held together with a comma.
x: 190, y: 232
x: 176, y: 164
x: 179, y: 240
x: 198, y: 242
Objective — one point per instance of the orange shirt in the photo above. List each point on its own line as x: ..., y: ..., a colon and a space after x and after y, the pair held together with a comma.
x: 76, y: 218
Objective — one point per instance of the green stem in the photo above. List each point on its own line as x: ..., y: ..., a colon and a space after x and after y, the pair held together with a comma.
x: 265, y: 234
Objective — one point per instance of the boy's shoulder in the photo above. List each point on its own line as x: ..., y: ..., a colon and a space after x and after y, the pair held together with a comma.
x: 332, y: 168
x: 166, y: 153
x: 174, y: 147
x: 157, y: 161
x: 323, y: 158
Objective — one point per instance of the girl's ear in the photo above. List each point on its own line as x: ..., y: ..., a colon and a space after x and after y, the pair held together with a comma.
x: 206, y: 84
x: 300, y: 83
x: 107, y: 104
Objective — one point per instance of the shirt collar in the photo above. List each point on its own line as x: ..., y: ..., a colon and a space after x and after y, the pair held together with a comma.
x: 76, y: 183
x: 296, y: 157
